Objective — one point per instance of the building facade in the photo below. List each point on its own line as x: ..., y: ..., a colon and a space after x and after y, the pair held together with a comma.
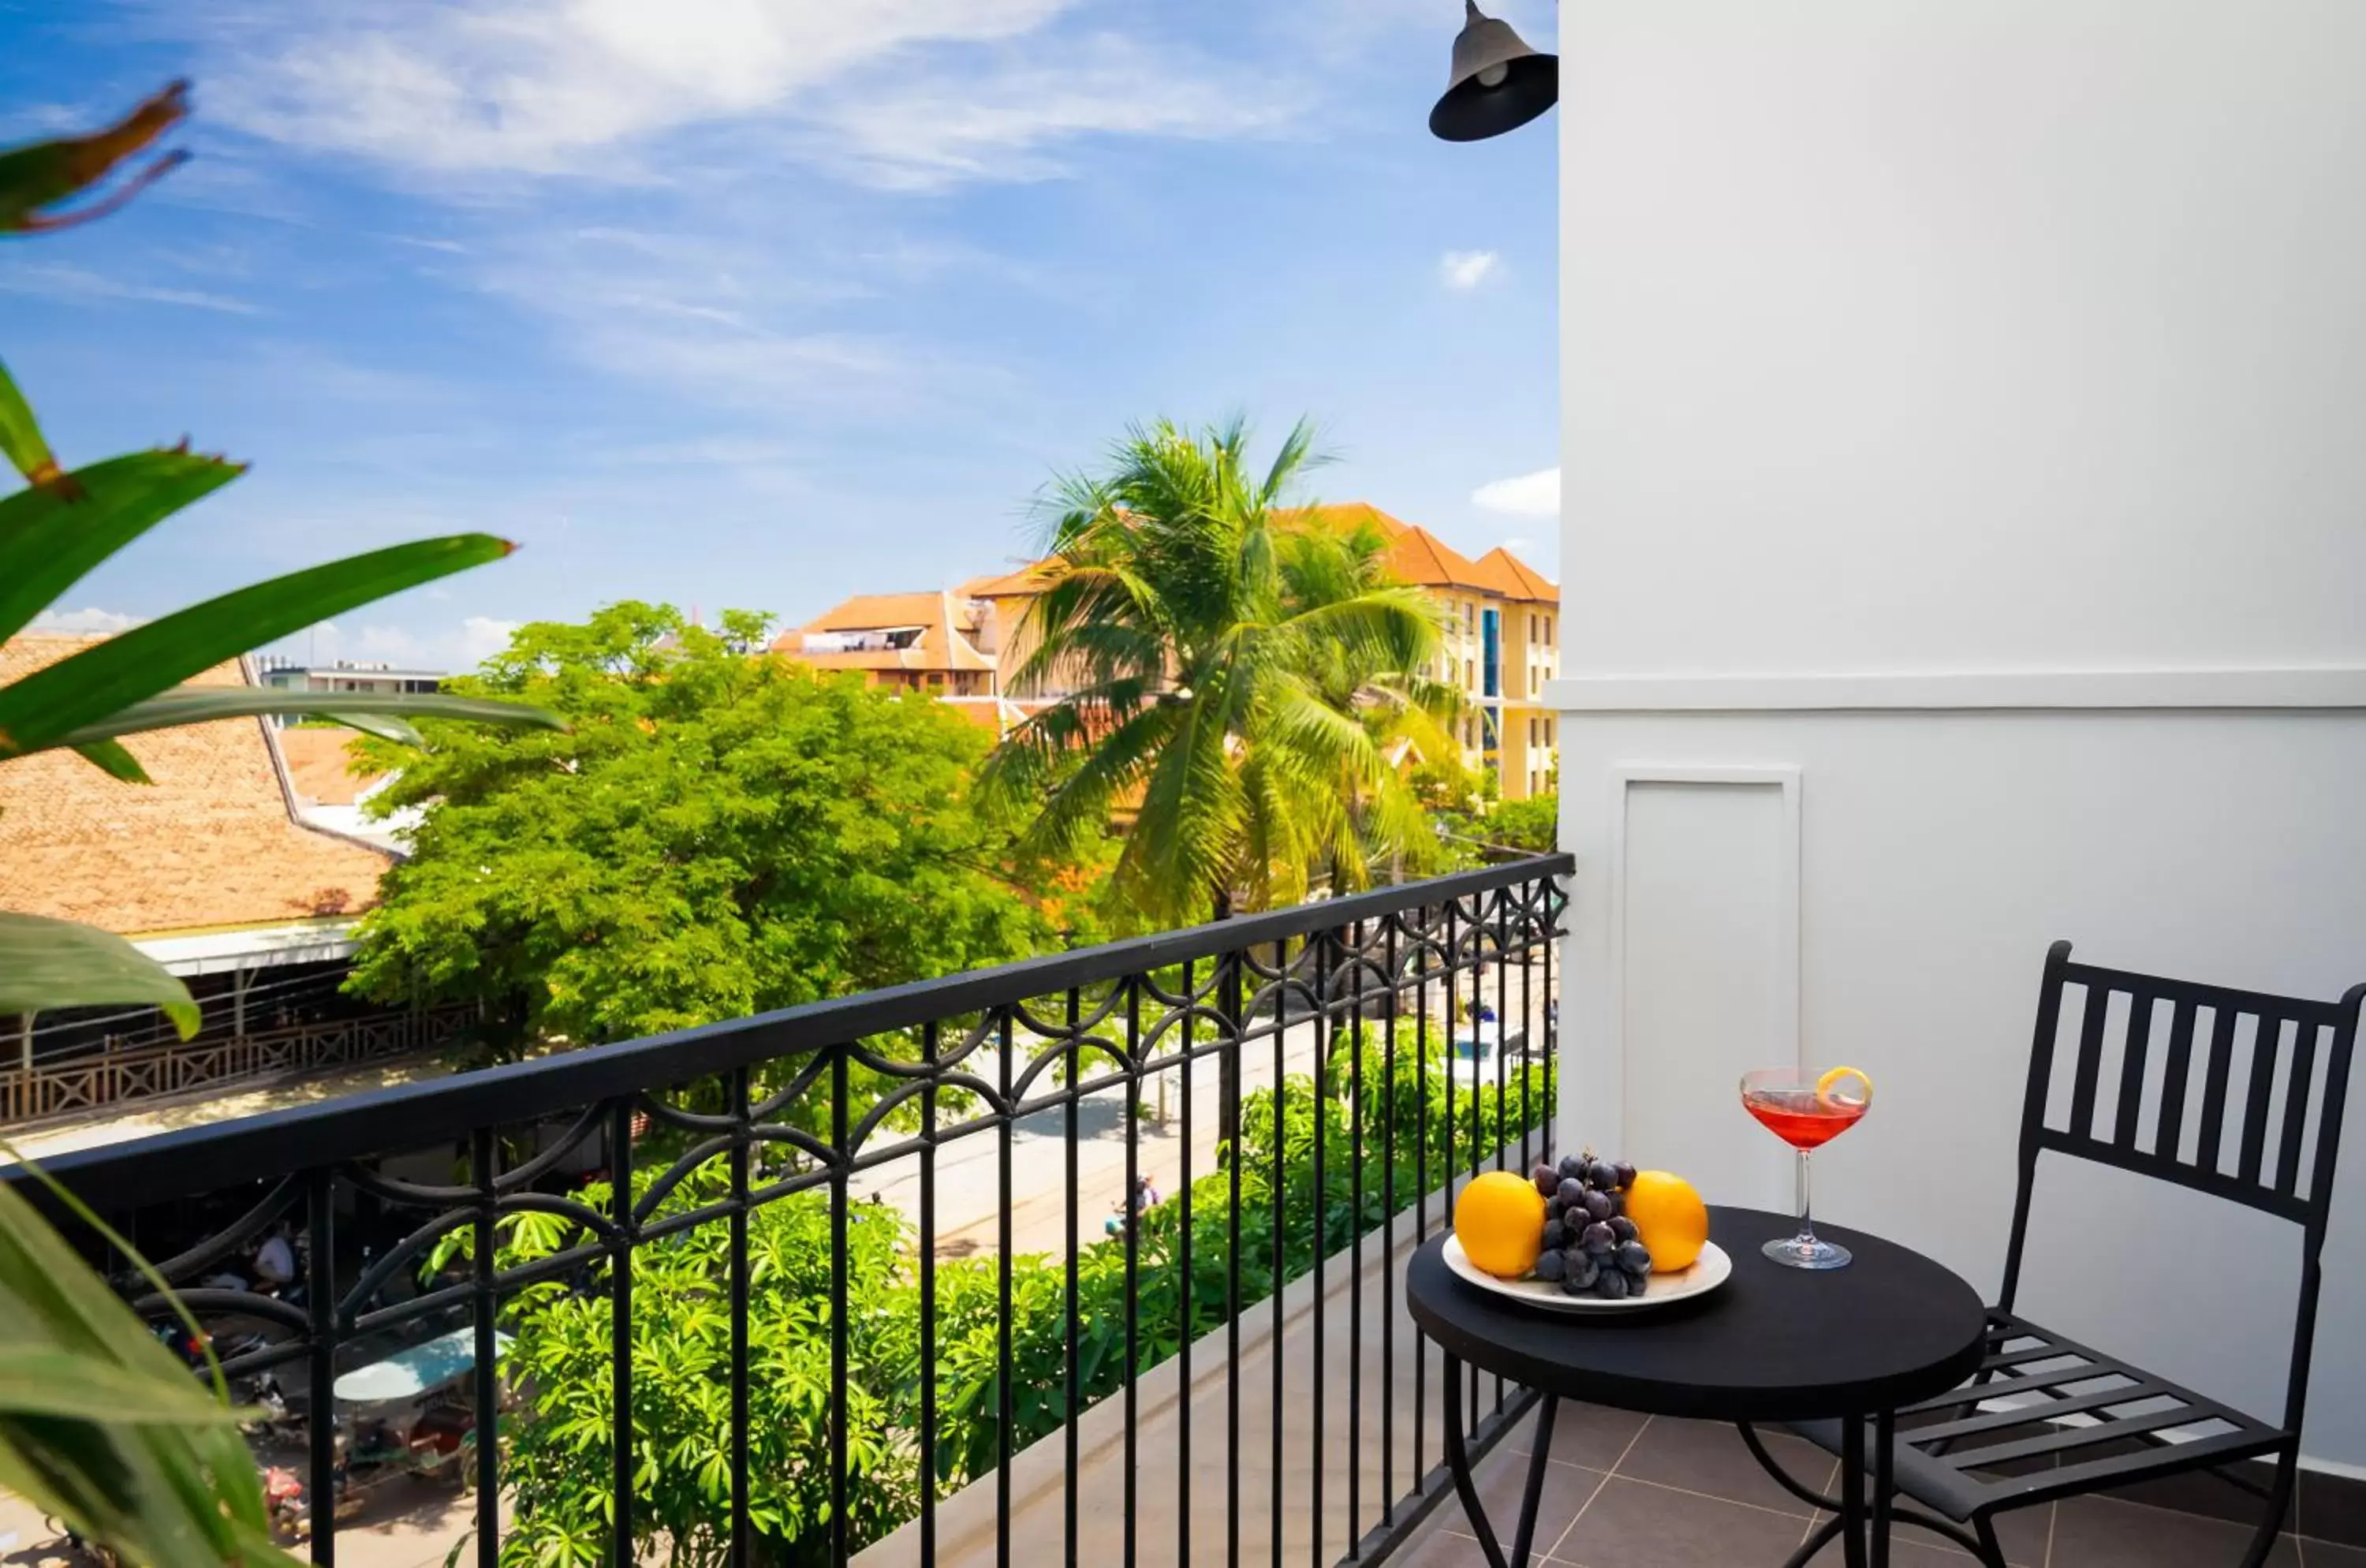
x: 1501, y: 618
x: 970, y: 645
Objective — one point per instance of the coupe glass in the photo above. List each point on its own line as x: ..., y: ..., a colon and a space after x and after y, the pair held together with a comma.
x: 1790, y: 1104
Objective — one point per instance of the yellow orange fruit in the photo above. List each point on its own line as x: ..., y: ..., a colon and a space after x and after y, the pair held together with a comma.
x: 1671, y: 1221
x: 1500, y: 1221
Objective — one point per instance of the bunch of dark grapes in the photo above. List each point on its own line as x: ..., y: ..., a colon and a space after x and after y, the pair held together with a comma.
x: 1591, y: 1247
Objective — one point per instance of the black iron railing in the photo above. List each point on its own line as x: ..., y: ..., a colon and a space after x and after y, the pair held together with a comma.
x: 878, y: 1274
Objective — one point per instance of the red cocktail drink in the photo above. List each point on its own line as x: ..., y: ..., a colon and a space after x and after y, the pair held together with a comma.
x: 1801, y: 1118
x: 1806, y: 1110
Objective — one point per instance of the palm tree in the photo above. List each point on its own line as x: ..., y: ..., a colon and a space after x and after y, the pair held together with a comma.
x: 1235, y: 668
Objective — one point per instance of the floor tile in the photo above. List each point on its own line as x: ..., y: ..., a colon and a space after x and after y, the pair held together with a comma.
x: 2102, y: 1532
x: 1709, y: 1457
x: 1442, y: 1549
x: 1592, y: 1434
x: 1632, y: 1524
x: 1903, y: 1554
x: 1501, y: 1476
x: 2325, y: 1554
x: 2025, y: 1539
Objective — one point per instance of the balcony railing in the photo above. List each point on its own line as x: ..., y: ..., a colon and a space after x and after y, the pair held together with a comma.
x: 865, y: 1274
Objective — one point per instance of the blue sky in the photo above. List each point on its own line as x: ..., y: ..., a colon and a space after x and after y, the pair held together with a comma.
x: 730, y: 302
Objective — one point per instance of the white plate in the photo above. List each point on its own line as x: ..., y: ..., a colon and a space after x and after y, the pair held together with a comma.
x: 1710, y: 1271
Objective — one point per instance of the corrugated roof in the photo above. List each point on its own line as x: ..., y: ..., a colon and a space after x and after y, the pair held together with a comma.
x: 211, y: 843
x: 321, y: 768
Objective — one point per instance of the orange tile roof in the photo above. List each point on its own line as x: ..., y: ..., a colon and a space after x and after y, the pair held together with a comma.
x: 1516, y: 578
x: 211, y: 843
x: 946, y: 625
x: 322, y: 767
x: 1419, y: 556
x: 1026, y: 582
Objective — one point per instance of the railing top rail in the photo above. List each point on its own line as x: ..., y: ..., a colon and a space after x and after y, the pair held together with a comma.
x: 278, y: 1143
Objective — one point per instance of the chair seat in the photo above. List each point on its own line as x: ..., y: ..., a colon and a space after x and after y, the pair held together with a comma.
x: 2137, y: 1426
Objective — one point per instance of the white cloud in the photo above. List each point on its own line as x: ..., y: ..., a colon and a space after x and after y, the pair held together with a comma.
x: 86, y: 621
x: 50, y: 280
x: 1529, y: 495
x: 1465, y: 270
x: 449, y: 649
x: 897, y: 93
x: 481, y: 636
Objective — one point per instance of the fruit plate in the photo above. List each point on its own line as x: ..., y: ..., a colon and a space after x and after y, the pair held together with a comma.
x: 1710, y: 1271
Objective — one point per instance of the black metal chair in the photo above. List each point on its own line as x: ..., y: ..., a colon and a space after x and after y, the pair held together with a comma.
x: 2107, y: 1423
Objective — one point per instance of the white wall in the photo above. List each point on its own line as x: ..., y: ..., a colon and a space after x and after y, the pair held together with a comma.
x: 1922, y: 334
x: 1923, y: 361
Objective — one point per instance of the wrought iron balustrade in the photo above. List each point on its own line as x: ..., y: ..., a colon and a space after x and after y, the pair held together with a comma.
x: 865, y: 1244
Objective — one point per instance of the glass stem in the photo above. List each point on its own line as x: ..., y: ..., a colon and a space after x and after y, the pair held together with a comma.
x: 1807, y: 1238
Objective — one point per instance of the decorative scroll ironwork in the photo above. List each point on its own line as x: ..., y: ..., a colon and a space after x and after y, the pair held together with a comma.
x: 704, y: 1130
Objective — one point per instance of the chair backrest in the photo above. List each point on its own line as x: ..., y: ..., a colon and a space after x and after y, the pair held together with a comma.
x: 2267, y: 1136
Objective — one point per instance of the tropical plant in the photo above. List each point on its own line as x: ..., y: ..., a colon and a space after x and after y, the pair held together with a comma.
x: 99, y: 1425
x: 64, y: 524
x: 721, y: 833
x: 1219, y: 648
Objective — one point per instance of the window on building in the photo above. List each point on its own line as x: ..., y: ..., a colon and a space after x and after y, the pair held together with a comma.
x: 1533, y: 788
x: 1548, y: 628
x: 1471, y: 616
x: 1469, y: 675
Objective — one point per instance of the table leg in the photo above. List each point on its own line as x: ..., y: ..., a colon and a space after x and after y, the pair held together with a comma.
x: 1525, y: 1537
x: 1885, y: 1434
x: 1852, y: 1493
x: 1458, y: 1464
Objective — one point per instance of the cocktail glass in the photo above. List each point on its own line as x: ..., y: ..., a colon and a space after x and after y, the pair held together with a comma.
x: 1806, y: 1110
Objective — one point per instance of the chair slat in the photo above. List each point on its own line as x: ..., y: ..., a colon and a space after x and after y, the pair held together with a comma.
x: 2089, y: 1064
x: 2169, y: 1138
x: 2063, y: 1437
x: 2305, y: 1047
x: 2021, y: 1415
x: 2264, y: 1048
x: 2076, y: 1474
x: 2131, y: 1070
x: 2215, y: 1074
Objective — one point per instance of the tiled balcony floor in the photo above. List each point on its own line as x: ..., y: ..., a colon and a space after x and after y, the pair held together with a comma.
x: 1629, y: 1491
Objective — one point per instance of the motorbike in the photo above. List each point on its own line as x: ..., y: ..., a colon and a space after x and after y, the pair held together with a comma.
x: 283, y: 1494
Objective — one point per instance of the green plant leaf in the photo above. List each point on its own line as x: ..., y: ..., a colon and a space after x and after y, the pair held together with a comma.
x: 386, y: 727
x: 48, y: 963
x: 361, y: 711
x: 20, y: 435
x: 52, y: 536
x: 146, y: 1461
x: 115, y: 760
x: 38, y: 711
x: 47, y: 1380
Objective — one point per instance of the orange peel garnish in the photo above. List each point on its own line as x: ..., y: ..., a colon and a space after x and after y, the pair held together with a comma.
x: 1828, y: 1086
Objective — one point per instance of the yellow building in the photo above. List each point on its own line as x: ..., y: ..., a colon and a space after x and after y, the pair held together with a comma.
x: 1501, y: 640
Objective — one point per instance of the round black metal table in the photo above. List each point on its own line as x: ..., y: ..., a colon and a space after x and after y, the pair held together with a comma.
x: 1771, y: 1344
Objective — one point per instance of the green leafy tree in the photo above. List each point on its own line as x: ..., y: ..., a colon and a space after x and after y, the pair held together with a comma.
x: 1533, y: 824
x: 1219, y: 650
x: 719, y: 833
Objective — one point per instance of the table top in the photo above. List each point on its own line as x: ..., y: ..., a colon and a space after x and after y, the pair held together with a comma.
x: 1770, y: 1344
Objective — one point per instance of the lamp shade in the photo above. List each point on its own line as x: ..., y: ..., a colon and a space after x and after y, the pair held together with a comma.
x: 1499, y: 84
